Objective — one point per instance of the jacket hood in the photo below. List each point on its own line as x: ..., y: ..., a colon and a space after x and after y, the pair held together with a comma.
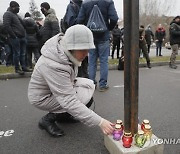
x: 51, y: 11
x: 76, y: 2
x: 54, y: 50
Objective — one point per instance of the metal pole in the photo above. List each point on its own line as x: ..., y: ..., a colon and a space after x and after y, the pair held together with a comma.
x: 131, y: 64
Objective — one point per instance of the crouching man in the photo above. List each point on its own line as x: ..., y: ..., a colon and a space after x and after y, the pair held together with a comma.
x: 54, y: 87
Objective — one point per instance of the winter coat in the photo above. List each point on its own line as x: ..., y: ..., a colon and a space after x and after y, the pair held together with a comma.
x: 3, y: 35
x: 148, y: 36
x: 160, y: 34
x: 13, y: 24
x: 32, y: 32
x: 116, y: 32
x: 108, y: 11
x: 72, y: 12
x: 51, y: 26
x: 54, y: 74
x: 174, y: 31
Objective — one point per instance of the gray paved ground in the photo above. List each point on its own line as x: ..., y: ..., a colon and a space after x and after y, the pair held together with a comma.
x: 159, y: 98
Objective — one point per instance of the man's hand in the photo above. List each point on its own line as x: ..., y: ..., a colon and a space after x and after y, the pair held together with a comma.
x: 106, y: 127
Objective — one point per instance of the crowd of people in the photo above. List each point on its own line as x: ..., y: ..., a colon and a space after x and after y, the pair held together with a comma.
x: 61, y: 58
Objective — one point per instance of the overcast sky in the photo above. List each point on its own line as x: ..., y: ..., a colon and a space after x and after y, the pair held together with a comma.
x: 60, y: 6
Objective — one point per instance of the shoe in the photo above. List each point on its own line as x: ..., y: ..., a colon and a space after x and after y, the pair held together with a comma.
x: 102, y: 89
x: 27, y: 70
x: 65, y: 118
x: 20, y: 72
x: 48, y: 123
x: 149, y: 65
x: 173, y: 66
x: 160, y: 55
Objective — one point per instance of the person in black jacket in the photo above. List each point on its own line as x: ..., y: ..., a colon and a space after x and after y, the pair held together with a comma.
x: 32, y: 32
x: 160, y: 35
x: 116, y: 33
x: 149, y: 36
x: 16, y: 31
x: 174, y: 40
x: 51, y: 22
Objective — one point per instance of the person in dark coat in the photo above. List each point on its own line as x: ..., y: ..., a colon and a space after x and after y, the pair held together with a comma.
x: 160, y: 35
x: 116, y: 33
x: 51, y: 22
x: 174, y: 31
x: 101, y: 40
x: 2, y: 44
x: 70, y: 19
x: 15, y: 29
x: 149, y: 36
x: 143, y: 45
x: 32, y: 32
x: 72, y: 12
x: 4, y: 39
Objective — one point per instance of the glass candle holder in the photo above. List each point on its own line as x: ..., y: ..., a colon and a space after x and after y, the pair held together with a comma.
x: 127, y: 139
x: 117, y: 133
x: 145, y: 122
x: 140, y: 139
x: 121, y: 123
x: 148, y: 131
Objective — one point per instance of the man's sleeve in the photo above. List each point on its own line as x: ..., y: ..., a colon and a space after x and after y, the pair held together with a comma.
x: 81, y: 16
x: 174, y: 31
x: 7, y: 24
x: 112, y: 15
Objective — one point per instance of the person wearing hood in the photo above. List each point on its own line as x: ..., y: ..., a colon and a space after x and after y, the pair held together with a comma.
x: 15, y: 29
x: 51, y: 22
x: 174, y: 31
x: 160, y: 35
x: 32, y: 32
x: 149, y: 36
x: 54, y: 87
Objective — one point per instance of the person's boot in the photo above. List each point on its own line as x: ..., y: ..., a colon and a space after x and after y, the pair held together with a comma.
x: 173, y: 66
x: 19, y: 71
x: 27, y: 69
x: 148, y: 64
x: 48, y: 122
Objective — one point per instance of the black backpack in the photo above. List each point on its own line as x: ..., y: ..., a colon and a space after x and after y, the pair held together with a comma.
x: 63, y: 24
x: 96, y: 21
x: 121, y: 63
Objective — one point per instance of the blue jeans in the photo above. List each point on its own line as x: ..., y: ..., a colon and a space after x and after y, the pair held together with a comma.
x: 19, y: 51
x: 9, y: 55
x: 102, y: 52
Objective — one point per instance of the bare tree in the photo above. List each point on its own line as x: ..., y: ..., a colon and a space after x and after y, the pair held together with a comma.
x: 156, y: 7
x: 33, y: 9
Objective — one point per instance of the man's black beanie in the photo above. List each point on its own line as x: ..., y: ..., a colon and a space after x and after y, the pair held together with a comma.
x: 45, y: 5
x: 13, y: 4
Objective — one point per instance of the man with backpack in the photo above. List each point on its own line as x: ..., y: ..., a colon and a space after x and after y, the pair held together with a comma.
x: 101, y: 38
x: 69, y: 20
x: 70, y: 17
